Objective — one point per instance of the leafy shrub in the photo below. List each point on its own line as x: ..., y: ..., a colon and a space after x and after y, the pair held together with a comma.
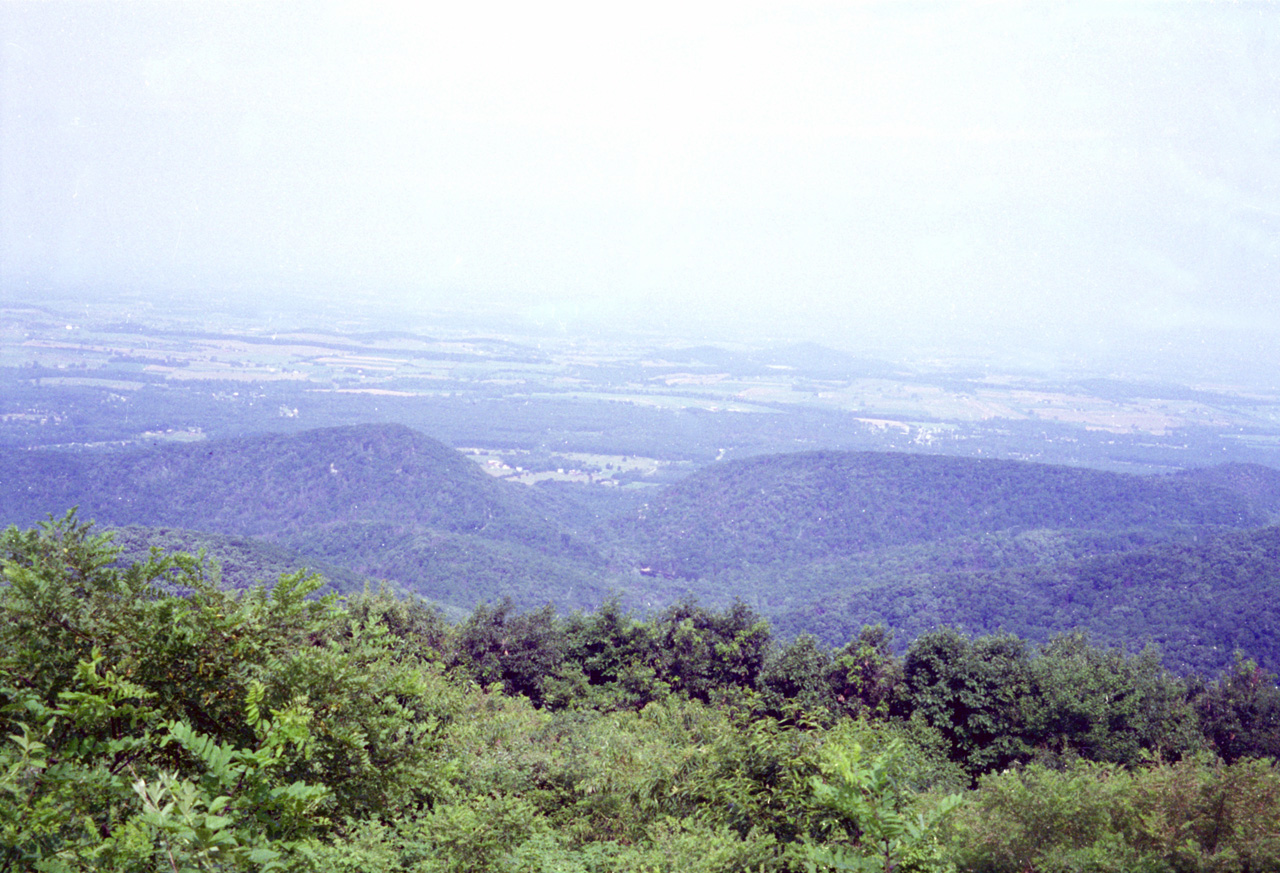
x: 1195, y: 816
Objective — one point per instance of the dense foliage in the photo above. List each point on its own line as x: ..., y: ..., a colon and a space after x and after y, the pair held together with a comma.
x: 382, y: 501
x: 241, y: 561
x: 792, y: 509
x: 1199, y: 598
x: 151, y: 719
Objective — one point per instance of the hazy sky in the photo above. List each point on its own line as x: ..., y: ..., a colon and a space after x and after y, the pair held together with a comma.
x: 1070, y: 179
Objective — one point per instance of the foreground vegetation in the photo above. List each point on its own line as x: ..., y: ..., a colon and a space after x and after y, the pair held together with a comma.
x: 151, y: 719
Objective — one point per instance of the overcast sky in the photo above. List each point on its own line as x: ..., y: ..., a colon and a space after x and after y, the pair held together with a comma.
x: 1068, y: 179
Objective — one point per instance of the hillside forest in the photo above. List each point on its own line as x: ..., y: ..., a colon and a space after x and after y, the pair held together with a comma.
x: 155, y: 719
x: 820, y: 543
x: 355, y: 649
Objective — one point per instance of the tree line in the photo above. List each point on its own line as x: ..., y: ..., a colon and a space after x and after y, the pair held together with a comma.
x: 152, y: 719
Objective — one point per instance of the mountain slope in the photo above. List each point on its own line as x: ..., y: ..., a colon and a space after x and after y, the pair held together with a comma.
x: 364, y: 497
x: 787, y: 510
x: 1199, y: 599
x: 271, y: 483
x: 822, y: 542
x: 1258, y: 484
x: 242, y: 562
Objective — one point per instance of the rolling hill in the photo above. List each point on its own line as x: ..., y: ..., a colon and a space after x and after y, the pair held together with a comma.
x: 379, y: 500
x: 826, y: 542
x: 268, y: 484
x: 787, y: 510
x: 1199, y: 599
x: 819, y: 542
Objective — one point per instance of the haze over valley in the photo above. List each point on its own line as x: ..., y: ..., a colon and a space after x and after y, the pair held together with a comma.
x: 824, y: 490
x: 691, y: 437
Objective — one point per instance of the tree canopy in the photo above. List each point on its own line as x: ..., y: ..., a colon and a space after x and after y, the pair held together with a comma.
x: 152, y: 719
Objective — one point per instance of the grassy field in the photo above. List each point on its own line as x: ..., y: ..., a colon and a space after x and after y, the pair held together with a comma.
x: 48, y: 355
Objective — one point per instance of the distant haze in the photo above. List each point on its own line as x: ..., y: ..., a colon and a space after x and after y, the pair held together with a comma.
x: 1045, y: 182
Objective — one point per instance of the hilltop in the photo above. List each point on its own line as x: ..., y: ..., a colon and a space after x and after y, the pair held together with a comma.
x: 381, y: 500
x: 271, y: 483
x: 791, y: 509
x: 818, y: 542
x: 827, y: 542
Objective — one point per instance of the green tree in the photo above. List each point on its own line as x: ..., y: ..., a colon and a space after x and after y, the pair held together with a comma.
x: 866, y: 677
x: 885, y: 823
x: 422, y: 626
x: 1105, y: 705
x: 972, y: 692
x: 522, y: 651
x: 704, y: 653
x: 1041, y: 819
x: 795, y: 680
x: 616, y: 655
x: 145, y: 706
x: 1239, y: 713
x: 1197, y: 815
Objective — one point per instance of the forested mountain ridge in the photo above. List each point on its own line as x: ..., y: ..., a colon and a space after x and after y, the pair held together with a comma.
x: 1258, y: 484
x: 380, y: 500
x: 240, y: 562
x: 272, y: 483
x: 790, y: 509
x: 761, y: 510
x: 1199, y: 599
x: 818, y: 542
